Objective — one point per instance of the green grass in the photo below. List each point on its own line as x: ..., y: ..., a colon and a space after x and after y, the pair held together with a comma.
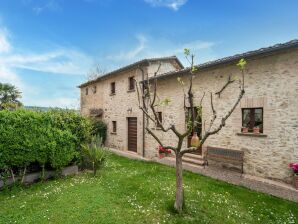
x: 127, y: 191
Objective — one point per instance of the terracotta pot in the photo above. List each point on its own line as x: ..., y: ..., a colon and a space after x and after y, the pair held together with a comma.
x: 195, y: 141
x: 245, y: 130
x: 295, y: 181
x: 256, y: 130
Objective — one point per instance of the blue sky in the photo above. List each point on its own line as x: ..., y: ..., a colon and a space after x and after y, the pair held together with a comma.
x: 48, y: 46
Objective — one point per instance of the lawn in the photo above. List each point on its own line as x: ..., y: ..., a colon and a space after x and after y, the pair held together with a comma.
x: 128, y: 191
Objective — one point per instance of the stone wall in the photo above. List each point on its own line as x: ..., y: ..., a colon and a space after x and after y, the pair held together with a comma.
x: 270, y: 82
x: 121, y: 105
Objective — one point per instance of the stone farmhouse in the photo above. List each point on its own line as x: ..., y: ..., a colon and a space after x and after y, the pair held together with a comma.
x: 264, y: 126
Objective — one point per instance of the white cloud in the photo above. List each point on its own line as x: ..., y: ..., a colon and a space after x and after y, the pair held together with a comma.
x: 50, y: 5
x: 4, y: 44
x: 131, y: 54
x: 150, y: 47
x: 62, y: 61
x: 172, y: 4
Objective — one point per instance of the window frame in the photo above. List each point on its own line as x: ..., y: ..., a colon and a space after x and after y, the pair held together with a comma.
x: 131, y: 83
x: 114, y: 127
x: 113, y: 88
x: 94, y: 89
x: 159, y: 115
x: 252, y: 117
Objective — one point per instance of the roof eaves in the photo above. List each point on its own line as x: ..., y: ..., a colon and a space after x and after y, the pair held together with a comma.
x: 138, y: 63
x: 230, y: 59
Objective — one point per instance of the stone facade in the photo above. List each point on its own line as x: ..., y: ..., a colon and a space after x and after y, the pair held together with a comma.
x: 271, y: 82
x: 121, y: 105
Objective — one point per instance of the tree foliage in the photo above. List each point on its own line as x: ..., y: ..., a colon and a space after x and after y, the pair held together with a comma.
x: 99, y: 128
x: 51, y: 138
x: 9, y: 97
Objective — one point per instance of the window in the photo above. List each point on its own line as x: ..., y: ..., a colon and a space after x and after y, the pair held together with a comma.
x: 86, y: 90
x: 159, y: 115
x: 252, y: 118
x: 114, y: 126
x: 198, y: 120
x: 131, y: 83
x: 113, y: 88
x: 94, y: 89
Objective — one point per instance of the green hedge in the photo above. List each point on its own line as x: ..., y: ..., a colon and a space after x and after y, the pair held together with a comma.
x: 53, y: 138
x: 99, y: 128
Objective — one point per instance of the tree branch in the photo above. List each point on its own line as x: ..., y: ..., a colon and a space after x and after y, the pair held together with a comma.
x: 225, y: 86
x: 221, y: 125
x: 159, y: 141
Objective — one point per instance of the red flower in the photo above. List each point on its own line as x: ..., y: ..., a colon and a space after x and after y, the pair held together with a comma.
x: 294, y: 167
x: 163, y: 150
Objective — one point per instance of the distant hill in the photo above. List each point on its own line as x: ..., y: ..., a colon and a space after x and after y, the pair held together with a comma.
x: 45, y: 108
x: 37, y: 108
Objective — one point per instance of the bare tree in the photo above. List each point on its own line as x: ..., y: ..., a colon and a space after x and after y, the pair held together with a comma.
x: 95, y: 72
x: 148, y: 102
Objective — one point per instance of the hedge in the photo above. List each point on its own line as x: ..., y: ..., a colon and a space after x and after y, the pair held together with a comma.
x: 99, y: 128
x: 52, y: 138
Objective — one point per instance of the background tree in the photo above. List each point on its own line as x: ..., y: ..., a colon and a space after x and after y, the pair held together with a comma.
x: 9, y: 97
x: 95, y: 72
x: 149, y: 101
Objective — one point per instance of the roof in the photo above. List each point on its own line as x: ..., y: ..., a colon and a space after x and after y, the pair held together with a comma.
x: 138, y: 63
x: 247, y: 55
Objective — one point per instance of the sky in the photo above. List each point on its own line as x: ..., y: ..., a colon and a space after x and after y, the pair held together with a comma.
x: 47, y: 47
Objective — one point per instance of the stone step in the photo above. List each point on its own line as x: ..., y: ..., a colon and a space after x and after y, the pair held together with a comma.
x: 192, y: 156
x: 194, y: 161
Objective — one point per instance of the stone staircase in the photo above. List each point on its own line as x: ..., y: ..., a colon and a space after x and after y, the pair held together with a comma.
x: 193, y: 159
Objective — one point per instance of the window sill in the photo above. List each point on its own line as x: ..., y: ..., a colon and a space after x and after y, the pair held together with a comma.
x: 131, y: 90
x: 113, y: 133
x: 156, y: 129
x: 112, y: 94
x: 251, y: 134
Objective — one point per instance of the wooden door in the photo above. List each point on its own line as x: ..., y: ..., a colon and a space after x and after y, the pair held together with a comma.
x: 132, y: 134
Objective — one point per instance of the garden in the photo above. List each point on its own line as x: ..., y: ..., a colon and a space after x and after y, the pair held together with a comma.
x: 35, y: 141
x: 128, y: 191
x: 117, y: 190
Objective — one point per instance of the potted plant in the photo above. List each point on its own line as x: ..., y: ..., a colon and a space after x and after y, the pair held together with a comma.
x: 162, y: 152
x: 294, y: 167
x: 256, y: 130
x: 244, y: 130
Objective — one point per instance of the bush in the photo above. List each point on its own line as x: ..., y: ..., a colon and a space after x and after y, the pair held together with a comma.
x: 99, y: 128
x: 71, y: 120
x: 95, y: 154
x: 53, y: 138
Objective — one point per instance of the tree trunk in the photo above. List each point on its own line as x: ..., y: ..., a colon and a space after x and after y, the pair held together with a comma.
x: 24, y: 173
x: 42, y: 173
x: 179, y: 184
x: 12, y: 175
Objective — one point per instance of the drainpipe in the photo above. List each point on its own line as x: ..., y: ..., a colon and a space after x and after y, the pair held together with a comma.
x: 143, y: 144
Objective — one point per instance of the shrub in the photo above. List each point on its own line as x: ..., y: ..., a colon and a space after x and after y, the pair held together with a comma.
x: 71, y: 120
x: 99, y: 128
x: 95, y: 154
x: 52, y: 138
